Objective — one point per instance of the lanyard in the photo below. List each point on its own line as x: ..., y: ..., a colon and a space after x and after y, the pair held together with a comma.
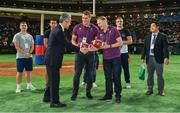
x: 86, y: 31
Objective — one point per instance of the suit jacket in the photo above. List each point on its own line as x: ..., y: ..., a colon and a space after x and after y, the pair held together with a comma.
x: 56, y: 46
x: 160, y: 48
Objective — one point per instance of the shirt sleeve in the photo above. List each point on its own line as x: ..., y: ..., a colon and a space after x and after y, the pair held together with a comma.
x: 116, y: 33
x: 98, y: 36
x: 74, y: 32
x: 128, y: 33
x: 96, y: 31
x: 15, y: 39
x: 46, y: 34
x: 32, y: 40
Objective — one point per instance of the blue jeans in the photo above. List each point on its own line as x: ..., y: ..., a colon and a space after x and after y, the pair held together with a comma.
x: 112, y: 71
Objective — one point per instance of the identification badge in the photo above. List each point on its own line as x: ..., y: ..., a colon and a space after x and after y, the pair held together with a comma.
x: 26, y: 45
x: 84, y: 40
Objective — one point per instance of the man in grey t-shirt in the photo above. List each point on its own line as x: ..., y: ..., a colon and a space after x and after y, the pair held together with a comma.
x: 24, y: 44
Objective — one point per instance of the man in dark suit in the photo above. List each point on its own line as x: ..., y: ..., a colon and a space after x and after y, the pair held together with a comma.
x: 53, y: 59
x: 156, y: 52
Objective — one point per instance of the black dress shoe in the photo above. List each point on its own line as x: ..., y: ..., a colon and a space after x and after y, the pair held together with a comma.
x: 118, y: 101
x: 58, y: 105
x: 149, y: 92
x: 46, y: 99
x: 106, y: 98
x: 89, y: 96
x: 73, y: 97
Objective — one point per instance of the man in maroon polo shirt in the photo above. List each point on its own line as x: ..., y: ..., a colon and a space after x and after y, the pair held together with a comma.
x: 111, y: 58
x: 84, y: 32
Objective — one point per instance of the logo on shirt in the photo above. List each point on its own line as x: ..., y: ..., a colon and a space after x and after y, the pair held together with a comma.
x: 91, y: 29
x: 80, y: 28
x: 101, y: 36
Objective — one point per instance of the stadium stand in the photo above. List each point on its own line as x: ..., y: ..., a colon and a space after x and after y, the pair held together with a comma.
x: 136, y: 19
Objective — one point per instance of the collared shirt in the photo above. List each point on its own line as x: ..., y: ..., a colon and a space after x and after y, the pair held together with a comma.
x: 110, y: 37
x: 61, y: 26
x: 152, y: 44
x: 89, y: 33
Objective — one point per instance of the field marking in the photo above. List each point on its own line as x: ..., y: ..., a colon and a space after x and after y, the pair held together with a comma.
x: 38, y: 67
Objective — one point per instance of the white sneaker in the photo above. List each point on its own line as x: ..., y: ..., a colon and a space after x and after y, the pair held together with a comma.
x: 18, y: 90
x: 83, y: 84
x: 128, y: 85
x: 30, y: 87
x: 94, y: 85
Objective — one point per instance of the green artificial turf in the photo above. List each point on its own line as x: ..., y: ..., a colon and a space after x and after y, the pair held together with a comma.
x: 133, y: 100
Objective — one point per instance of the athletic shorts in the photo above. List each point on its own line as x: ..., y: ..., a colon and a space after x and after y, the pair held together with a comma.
x: 22, y: 63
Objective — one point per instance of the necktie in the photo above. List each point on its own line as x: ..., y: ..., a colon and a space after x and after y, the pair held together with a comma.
x: 154, y: 39
x: 152, y: 44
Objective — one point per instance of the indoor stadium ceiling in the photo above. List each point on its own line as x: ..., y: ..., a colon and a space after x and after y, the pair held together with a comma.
x: 102, y: 6
x: 86, y: 1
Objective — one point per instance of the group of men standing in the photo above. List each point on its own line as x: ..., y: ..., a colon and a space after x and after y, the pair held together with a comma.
x: 115, y: 54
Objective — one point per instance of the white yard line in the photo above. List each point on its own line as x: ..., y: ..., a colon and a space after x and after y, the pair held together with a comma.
x: 38, y: 67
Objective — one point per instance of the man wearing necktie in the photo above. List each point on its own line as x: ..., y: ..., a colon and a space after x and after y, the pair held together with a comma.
x: 153, y: 39
x: 53, y: 59
x: 156, y: 52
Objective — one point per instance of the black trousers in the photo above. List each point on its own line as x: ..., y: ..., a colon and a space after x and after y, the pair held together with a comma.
x: 80, y: 61
x: 52, y: 89
x: 112, y: 71
x: 125, y: 66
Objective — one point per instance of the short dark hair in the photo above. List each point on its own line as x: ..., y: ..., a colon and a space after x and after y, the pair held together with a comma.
x: 86, y: 12
x: 156, y: 22
x: 23, y: 19
x: 53, y: 19
x: 23, y: 22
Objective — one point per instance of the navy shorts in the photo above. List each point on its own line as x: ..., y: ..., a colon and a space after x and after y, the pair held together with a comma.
x: 22, y: 63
